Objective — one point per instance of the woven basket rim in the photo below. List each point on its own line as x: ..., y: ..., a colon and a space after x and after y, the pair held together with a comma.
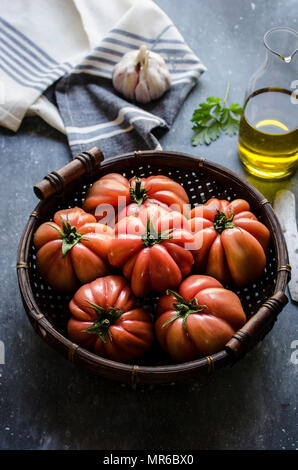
x: 223, y: 356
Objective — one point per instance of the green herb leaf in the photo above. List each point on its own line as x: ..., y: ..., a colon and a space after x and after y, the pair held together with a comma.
x: 213, y: 117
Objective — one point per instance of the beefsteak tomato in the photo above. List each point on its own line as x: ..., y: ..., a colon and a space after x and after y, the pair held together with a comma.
x: 232, y: 242
x: 117, y: 191
x: 198, y: 320
x: 73, y: 249
x: 152, y: 249
x: 106, y: 320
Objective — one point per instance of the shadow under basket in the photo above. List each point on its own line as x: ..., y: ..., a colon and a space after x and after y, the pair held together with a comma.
x: 47, y: 309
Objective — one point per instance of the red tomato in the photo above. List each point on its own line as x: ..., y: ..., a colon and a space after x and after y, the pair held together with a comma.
x: 115, y: 190
x: 199, y: 320
x: 72, y: 249
x: 106, y: 321
x: 232, y: 242
x: 152, y: 249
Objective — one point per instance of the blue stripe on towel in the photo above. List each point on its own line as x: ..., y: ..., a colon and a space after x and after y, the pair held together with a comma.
x: 101, y: 59
x: 109, y: 51
x: 127, y: 45
x: 36, y: 71
x: 40, y: 76
x: 43, y: 81
x: 114, y: 62
x: 26, y: 62
x: 121, y: 120
x: 25, y: 49
x: 94, y: 68
x: 37, y: 49
x: 21, y: 56
x: 142, y: 38
x: 7, y: 71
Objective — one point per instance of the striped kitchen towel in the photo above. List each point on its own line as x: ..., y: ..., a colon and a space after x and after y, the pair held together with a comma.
x: 92, y: 112
x: 42, y: 40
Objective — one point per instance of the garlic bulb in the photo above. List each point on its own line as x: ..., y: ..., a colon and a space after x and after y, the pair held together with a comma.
x: 141, y: 75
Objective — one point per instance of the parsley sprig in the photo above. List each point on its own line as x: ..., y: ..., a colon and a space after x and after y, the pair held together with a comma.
x: 213, y: 117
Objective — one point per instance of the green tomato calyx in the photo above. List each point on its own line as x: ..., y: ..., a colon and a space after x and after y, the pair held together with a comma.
x: 152, y: 237
x: 221, y: 222
x: 69, y: 234
x: 183, y: 309
x: 105, y: 318
x: 138, y: 194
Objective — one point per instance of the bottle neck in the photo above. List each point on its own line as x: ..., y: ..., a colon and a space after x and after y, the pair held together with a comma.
x: 273, y: 60
x: 274, y: 73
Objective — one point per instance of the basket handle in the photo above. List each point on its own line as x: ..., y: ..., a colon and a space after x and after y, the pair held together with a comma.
x: 257, y: 327
x: 55, y: 182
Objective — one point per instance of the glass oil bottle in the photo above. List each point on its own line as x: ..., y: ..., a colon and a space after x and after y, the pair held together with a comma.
x: 268, y: 132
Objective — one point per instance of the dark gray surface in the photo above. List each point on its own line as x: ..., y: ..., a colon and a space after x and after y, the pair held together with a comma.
x: 48, y: 403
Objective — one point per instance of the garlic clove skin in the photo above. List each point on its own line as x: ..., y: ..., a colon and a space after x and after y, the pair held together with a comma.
x: 141, y: 75
x: 125, y: 76
x: 153, y: 83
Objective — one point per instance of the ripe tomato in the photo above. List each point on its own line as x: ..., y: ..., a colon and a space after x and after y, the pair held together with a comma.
x: 72, y: 249
x: 232, y: 242
x: 106, y: 321
x: 152, y: 249
x: 117, y: 191
x: 199, y: 320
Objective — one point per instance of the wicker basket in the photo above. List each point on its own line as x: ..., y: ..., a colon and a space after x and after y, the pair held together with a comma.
x: 48, y: 312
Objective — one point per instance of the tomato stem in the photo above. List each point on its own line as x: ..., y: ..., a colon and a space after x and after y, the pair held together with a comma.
x: 69, y: 234
x: 183, y: 309
x: 138, y: 194
x: 105, y: 318
x: 221, y: 222
x: 152, y: 237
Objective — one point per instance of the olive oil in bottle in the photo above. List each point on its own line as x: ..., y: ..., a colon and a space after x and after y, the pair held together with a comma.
x: 268, y: 133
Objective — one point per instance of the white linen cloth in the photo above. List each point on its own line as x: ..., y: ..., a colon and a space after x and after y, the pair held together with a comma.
x: 40, y: 40
x: 45, y: 40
